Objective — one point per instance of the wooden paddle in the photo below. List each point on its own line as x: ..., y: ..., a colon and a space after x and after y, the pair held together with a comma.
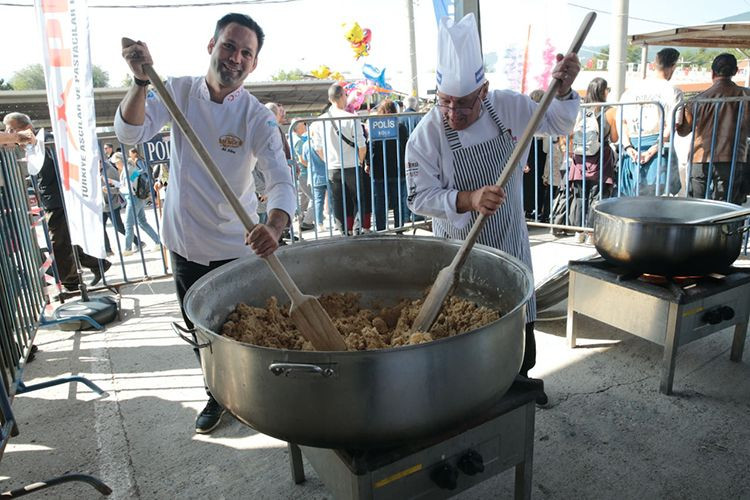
x: 308, y: 315
x: 447, y: 277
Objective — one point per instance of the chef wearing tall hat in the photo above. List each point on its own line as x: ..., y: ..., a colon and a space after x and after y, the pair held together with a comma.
x: 457, y: 152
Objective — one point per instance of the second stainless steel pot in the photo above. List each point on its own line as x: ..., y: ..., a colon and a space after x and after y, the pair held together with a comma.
x: 652, y: 235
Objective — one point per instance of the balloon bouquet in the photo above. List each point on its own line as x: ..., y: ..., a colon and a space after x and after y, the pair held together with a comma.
x: 374, y: 78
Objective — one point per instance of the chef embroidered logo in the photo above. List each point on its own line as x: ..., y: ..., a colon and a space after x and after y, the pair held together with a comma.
x: 229, y: 143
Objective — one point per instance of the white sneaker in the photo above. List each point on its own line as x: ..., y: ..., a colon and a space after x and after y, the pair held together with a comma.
x: 580, y: 237
x: 157, y: 248
x: 126, y: 253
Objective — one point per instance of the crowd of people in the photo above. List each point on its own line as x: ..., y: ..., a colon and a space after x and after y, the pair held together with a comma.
x: 341, y: 172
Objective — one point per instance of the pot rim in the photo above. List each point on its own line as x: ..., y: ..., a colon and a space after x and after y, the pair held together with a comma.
x: 520, y: 266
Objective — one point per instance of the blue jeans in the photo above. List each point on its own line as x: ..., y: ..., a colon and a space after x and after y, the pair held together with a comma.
x: 136, y: 211
x: 394, y: 203
x: 319, y: 200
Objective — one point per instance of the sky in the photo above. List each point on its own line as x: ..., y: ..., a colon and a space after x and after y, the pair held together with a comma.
x: 305, y: 34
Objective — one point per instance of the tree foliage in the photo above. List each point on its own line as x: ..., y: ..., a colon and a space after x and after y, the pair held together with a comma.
x: 32, y: 78
x: 295, y: 74
x: 5, y: 85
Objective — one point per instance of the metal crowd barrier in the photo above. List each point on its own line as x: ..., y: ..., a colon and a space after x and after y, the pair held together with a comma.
x: 22, y: 303
x: 126, y: 269
x: 155, y: 219
x: 373, y: 196
x: 664, y: 170
x: 559, y: 189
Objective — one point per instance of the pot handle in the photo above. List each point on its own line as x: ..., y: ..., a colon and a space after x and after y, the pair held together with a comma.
x: 288, y: 369
x: 177, y: 328
x: 739, y: 230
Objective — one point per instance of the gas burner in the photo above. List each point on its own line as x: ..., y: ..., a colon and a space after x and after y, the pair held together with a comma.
x: 658, y: 279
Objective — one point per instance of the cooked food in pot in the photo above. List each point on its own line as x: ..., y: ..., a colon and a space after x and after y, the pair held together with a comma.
x: 362, y: 328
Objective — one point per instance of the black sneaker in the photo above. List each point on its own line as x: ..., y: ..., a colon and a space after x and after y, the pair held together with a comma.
x: 210, y: 417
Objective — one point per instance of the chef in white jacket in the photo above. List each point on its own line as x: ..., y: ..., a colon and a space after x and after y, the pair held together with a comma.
x: 200, y: 228
x: 458, y: 150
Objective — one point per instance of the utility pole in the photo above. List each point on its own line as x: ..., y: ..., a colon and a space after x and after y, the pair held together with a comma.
x: 412, y: 49
x: 618, y: 48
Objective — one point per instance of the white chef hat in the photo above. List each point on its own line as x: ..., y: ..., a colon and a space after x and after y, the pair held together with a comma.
x: 460, y: 68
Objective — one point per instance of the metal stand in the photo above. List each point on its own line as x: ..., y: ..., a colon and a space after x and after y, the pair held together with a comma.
x: 659, y: 317
x: 435, y: 468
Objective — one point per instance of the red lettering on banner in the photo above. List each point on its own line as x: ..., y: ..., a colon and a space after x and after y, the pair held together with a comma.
x: 62, y: 114
x: 54, y: 6
x: 58, y: 57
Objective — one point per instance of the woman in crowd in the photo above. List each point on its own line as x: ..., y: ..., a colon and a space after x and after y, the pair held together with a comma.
x: 592, y: 161
x: 113, y: 202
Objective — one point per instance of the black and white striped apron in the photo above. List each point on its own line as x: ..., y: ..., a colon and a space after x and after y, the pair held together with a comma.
x: 481, y: 165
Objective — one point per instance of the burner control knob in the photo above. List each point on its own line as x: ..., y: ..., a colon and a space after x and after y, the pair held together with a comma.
x: 712, y: 317
x: 727, y: 313
x: 471, y: 463
x: 445, y: 476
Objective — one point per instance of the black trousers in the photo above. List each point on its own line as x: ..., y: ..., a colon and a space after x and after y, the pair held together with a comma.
x: 351, y: 196
x: 529, y: 354
x: 59, y: 235
x: 186, y: 273
x: 720, y: 177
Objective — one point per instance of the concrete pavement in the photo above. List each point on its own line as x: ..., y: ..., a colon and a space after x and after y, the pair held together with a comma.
x: 608, y: 434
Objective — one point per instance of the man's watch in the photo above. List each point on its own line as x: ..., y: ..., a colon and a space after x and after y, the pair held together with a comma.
x: 141, y: 83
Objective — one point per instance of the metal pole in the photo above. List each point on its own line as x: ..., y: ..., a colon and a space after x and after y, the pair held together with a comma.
x: 644, y: 61
x: 412, y: 49
x: 617, y: 48
x: 463, y: 7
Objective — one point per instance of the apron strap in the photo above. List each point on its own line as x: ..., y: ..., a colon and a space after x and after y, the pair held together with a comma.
x: 452, y: 135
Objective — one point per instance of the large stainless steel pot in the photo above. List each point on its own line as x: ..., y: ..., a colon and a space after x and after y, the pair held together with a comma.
x: 363, y: 399
x: 650, y: 235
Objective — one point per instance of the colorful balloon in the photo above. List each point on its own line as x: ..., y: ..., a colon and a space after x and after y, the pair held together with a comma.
x: 359, y: 40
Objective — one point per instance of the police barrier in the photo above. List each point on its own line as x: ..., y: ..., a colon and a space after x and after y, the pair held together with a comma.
x: 22, y: 297
x: 353, y: 168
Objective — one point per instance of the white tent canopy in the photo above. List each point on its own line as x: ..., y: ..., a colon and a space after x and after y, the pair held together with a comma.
x: 715, y: 35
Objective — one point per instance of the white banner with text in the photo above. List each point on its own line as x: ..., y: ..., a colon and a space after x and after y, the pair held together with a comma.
x: 64, y: 30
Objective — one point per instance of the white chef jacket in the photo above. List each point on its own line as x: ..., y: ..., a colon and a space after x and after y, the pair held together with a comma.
x: 240, y: 134
x: 429, y: 173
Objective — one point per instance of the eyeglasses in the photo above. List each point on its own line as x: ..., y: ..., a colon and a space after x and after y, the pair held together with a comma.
x: 445, y: 106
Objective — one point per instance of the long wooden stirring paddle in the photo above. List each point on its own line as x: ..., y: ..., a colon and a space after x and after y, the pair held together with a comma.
x: 447, y: 277
x: 308, y: 315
